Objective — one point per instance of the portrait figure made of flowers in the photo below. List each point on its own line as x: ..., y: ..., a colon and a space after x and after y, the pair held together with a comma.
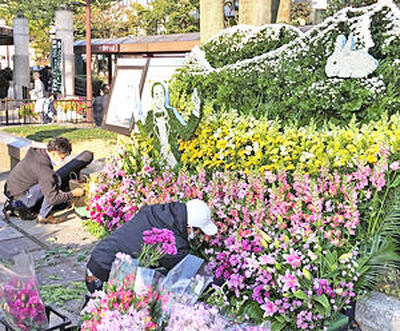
x: 166, y: 125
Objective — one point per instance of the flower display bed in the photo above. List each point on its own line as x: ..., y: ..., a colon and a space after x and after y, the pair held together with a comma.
x: 301, y: 171
x: 288, y: 244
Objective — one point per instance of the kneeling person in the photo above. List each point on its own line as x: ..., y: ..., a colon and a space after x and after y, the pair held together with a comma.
x: 180, y: 218
x: 34, y: 183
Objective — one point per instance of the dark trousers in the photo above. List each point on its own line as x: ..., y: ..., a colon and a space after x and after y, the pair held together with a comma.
x: 34, y: 196
x: 32, y: 199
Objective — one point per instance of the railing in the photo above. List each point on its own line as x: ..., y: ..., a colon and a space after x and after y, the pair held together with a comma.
x: 22, y: 111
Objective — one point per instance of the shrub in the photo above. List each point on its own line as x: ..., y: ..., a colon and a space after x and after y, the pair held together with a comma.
x: 290, y: 82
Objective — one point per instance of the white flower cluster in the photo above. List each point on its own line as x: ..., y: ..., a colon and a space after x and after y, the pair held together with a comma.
x: 375, y: 84
x: 268, y: 31
x: 197, y: 61
x: 325, y: 89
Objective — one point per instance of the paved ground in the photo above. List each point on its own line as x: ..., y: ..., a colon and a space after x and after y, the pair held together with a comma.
x: 60, y: 252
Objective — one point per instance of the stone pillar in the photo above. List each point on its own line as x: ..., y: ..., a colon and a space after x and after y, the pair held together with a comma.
x: 263, y: 11
x: 284, y: 11
x: 21, y: 70
x: 247, y: 11
x: 65, y: 32
x: 211, y: 18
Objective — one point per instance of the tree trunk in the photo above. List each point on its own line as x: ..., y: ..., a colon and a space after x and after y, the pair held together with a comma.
x: 247, y: 11
x: 284, y: 11
x: 263, y: 12
x: 211, y: 18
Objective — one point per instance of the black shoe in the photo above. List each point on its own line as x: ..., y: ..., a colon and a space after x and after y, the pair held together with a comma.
x: 25, y: 214
x: 8, y: 211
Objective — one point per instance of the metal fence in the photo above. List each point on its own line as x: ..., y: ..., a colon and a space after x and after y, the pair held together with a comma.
x: 22, y: 111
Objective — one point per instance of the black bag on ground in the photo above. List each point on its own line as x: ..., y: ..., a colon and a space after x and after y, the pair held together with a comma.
x: 74, y: 166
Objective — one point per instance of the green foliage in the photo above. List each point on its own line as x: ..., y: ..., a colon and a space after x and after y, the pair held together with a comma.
x: 166, y: 17
x: 389, y: 283
x: 290, y: 83
x: 41, y: 16
x: 95, y: 229
x: 61, y: 293
x: 109, y: 22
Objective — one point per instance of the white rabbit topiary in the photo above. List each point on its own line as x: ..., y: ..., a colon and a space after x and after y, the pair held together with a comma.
x: 345, y: 62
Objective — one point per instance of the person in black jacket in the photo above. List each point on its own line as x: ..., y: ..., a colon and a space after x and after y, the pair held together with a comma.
x: 33, y: 182
x: 180, y: 218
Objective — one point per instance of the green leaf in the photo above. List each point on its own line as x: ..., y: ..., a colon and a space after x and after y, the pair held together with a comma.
x: 307, y: 274
x: 396, y: 182
x: 277, y: 326
x: 301, y: 295
x: 323, y: 300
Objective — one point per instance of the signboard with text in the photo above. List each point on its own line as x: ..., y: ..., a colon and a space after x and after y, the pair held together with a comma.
x: 56, y: 65
x: 113, y: 48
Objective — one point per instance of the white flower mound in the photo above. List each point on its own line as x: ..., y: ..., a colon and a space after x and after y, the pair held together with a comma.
x: 357, y: 19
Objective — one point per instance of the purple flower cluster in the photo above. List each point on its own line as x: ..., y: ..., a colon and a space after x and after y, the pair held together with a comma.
x: 162, y: 237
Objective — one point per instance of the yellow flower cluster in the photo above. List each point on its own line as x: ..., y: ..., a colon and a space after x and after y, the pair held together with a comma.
x: 232, y: 142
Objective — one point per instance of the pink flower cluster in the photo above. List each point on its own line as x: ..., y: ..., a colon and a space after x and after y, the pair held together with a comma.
x: 278, y: 233
x: 163, y: 237
x: 120, y: 308
x: 192, y: 318
x: 22, y: 305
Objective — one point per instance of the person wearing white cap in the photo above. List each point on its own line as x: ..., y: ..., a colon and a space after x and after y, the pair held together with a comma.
x: 183, y: 219
x: 199, y: 216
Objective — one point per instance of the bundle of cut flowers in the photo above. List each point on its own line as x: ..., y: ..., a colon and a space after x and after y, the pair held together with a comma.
x: 131, y: 300
x: 292, y: 248
x: 124, y: 306
x: 20, y: 301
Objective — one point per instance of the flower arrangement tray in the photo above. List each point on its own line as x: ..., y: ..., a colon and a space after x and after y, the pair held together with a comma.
x: 82, y: 212
x: 63, y: 321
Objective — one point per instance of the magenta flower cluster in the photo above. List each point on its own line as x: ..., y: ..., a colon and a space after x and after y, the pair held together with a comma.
x: 21, y: 303
x: 163, y: 237
x: 279, y: 234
